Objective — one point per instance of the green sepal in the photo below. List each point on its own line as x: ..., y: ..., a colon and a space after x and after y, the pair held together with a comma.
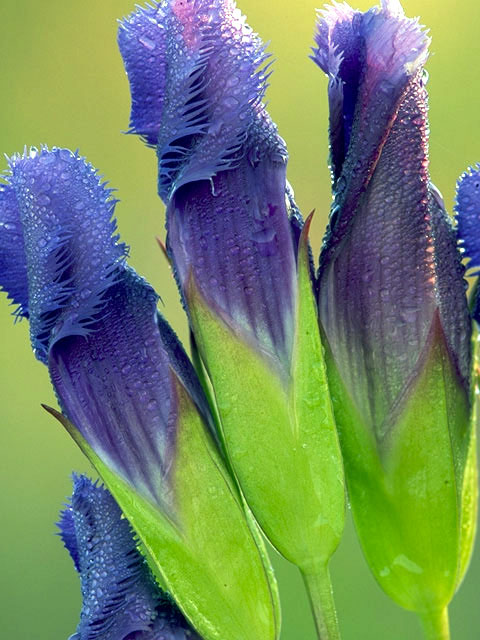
x: 469, y: 510
x: 406, y: 489
x: 279, y: 435
x: 469, y: 497
x: 314, y: 420
x: 207, y: 557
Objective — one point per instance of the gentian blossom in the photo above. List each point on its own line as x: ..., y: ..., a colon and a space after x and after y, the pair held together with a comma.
x: 120, y: 597
x: 361, y: 371
x: 129, y: 395
x: 393, y: 312
x: 93, y: 320
x: 198, y: 77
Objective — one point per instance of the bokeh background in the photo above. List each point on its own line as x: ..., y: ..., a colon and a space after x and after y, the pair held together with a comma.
x: 62, y: 83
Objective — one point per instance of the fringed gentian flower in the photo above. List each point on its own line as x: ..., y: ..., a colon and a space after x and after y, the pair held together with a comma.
x: 198, y: 77
x: 121, y: 600
x: 129, y: 395
x: 394, y: 314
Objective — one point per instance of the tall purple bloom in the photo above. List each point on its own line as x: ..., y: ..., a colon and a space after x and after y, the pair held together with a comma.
x: 93, y: 320
x: 198, y: 77
x: 129, y: 394
x: 383, y: 266
x: 120, y: 597
x: 393, y: 312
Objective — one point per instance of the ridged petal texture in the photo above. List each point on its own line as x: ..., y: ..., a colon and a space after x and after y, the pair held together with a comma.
x: 222, y: 165
x: 120, y: 599
x: 389, y: 258
x: 13, y: 270
x: 113, y: 360
x: 467, y: 208
x: 71, y: 250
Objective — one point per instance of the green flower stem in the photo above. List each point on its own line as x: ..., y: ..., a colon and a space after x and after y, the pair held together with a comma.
x: 436, y: 625
x: 320, y: 593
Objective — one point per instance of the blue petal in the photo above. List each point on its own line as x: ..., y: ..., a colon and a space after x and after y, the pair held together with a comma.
x: 69, y: 536
x: 222, y: 164
x: 142, y: 41
x: 13, y: 268
x: 206, y: 91
x: 389, y: 260
x: 71, y: 250
x: 116, y: 385
x: 339, y: 53
x: 120, y: 597
x: 377, y: 290
x: 237, y: 243
x: 113, y: 360
x: 467, y: 208
x: 451, y: 287
x: 365, y: 55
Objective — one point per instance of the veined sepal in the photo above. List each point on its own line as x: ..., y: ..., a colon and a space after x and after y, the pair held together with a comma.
x: 279, y: 433
x: 206, y: 555
x: 314, y: 418
x: 469, y: 496
x: 407, y: 490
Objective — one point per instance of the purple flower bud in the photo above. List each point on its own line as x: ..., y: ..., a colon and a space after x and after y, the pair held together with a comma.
x: 131, y: 400
x: 198, y: 77
x: 113, y: 360
x: 389, y: 264
x: 394, y: 314
x: 120, y: 597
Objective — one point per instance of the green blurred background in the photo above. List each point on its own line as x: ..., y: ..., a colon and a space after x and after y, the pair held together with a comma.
x: 63, y: 84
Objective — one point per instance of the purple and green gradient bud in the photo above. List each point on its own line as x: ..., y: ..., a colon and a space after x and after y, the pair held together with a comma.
x: 393, y: 309
x: 198, y: 76
x: 94, y: 321
x: 129, y: 395
x: 120, y: 598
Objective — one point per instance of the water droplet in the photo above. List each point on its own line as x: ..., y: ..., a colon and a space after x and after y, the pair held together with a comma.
x: 230, y: 102
x: 147, y: 42
x: 43, y: 200
x: 264, y: 235
x: 85, y: 293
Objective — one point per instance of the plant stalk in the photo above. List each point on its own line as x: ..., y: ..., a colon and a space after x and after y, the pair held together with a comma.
x: 436, y: 625
x: 320, y: 593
